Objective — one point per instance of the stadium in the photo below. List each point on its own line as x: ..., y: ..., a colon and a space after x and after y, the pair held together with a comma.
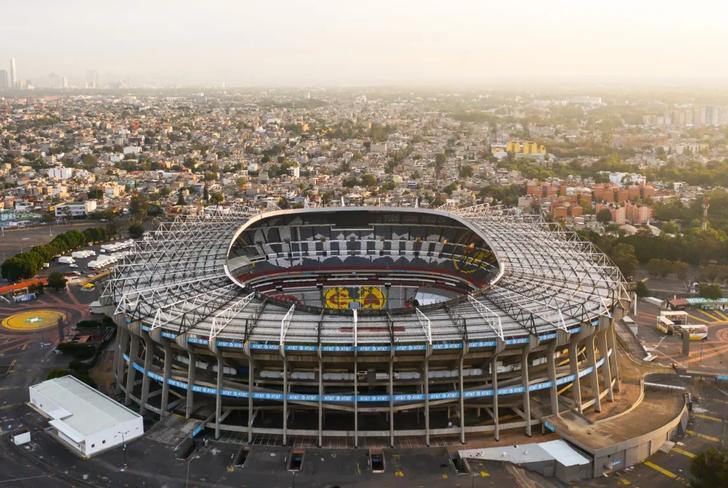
x: 352, y: 326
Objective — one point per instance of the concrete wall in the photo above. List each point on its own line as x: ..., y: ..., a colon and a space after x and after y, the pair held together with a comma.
x: 640, y: 448
x: 106, y: 439
x: 554, y: 469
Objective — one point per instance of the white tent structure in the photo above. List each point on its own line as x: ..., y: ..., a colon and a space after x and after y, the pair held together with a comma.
x: 83, y: 418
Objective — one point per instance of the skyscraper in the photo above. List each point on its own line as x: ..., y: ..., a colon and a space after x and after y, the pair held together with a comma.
x: 13, y: 74
x: 92, y: 79
x: 4, y: 82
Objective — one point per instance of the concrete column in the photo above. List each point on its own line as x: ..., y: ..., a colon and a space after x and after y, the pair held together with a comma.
x: 601, y: 338
x: 191, y: 378
x: 285, y: 401
x: 462, y: 399
x: 131, y: 371
x: 533, y: 342
x: 148, y: 356
x: 122, y: 347
x: 426, y: 384
x: 591, y: 357
x: 574, y: 365
x: 356, y: 401
x: 320, y: 402
x: 251, y: 380
x: 611, y: 341
x: 391, y: 399
x: 562, y: 339
x: 551, y: 366
x: 526, y: 393
x: 500, y: 345
x: 218, y: 394
x: 167, y: 374
x: 494, y: 382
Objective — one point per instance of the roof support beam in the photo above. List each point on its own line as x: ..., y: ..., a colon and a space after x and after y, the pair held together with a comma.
x: 286, y: 322
x: 225, y: 316
x: 426, y: 325
x: 491, y: 318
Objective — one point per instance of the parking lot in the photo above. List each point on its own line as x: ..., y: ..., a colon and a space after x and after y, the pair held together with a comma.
x: 708, y: 427
x: 150, y: 464
x: 22, y: 239
x: 711, y: 353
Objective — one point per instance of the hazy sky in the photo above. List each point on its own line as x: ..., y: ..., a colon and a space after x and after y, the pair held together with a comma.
x: 355, y: 42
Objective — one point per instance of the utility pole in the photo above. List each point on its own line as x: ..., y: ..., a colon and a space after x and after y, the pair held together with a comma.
x: 123, y: 448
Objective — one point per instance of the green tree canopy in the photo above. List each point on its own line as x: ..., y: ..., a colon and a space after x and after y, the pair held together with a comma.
x: 138, y: 207
x: 625, y: 259
x: 709, y: 469
x: 708, y: 290
x: 466, y: 171
x: 604, y: 216
x: 27, y: 264
x: 56, y: 281
x: 641, y: 289
x: 368, y: 180
x: 136, y: 230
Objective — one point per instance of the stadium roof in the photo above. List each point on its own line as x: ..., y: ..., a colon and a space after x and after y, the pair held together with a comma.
x: 176, y: 279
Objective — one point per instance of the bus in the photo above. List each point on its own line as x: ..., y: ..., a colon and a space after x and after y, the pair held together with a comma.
x: 675, y: 317
x: 664, y: 325
x: 696, y: 332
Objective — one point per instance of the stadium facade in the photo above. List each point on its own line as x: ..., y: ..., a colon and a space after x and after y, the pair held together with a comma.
x: 353, y: 323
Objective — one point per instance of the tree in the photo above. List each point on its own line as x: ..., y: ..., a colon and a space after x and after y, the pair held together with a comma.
x: 206, y: 194
x: 57, y: 281
x: 216, y: 198
x: 138, y: 207
x: 624, y: 257
x: 709, y: 468
x: 439, y: 163
x: 508, y: 194
x: 711, y: 291
x: 27, y: 264
x: 659, y: 267
x: 671, y: 227
x: 642, y: 290
x: 89, y: 161
x: 15, y: 268
x: 451, y: 187
x: 466, y: 171
x: 680, y: 269
x: 604, y: 216
x: 368, y: 180
x: 180, y: 198
x: 136, y: 230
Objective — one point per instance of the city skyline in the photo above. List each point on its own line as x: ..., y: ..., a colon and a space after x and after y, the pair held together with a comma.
x: 289, y: 43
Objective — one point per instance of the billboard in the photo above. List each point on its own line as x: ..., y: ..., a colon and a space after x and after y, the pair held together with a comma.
x: 348, y: 298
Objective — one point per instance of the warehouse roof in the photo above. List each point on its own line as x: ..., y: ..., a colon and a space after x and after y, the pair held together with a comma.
x: 78, y: 410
